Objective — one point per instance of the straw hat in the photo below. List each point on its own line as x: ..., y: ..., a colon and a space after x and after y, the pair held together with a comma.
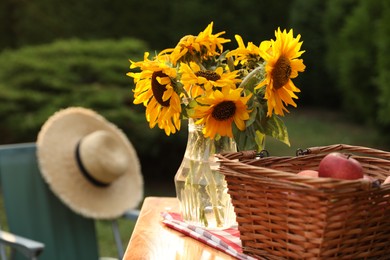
x: 89, y: 163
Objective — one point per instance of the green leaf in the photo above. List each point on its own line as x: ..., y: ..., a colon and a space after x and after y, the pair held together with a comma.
x: 275, y: 127
x: 245, y: 140
x: 260, y: 140
x: 252, y: 117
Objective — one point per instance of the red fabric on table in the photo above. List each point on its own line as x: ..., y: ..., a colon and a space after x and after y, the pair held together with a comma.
x: 226, y: 240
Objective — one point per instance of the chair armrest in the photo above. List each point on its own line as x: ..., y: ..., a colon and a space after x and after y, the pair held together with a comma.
x: 131, y: 214
x: 28, y: 247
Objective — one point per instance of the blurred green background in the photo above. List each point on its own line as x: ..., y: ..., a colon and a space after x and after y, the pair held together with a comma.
x: 75, y: 53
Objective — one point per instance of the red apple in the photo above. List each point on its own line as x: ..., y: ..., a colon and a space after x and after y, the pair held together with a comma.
x: 387, y: 180
x: 386, y: 203
x: 340, y: 166
x: 375, y: 182
x: 310, y: 173
x: 368, y: 178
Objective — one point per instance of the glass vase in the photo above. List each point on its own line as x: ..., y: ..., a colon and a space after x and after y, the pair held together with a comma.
x: 200, y: 187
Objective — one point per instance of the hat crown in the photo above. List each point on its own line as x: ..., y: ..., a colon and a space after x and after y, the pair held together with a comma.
x: 103, y: 156
x: 85, y: 168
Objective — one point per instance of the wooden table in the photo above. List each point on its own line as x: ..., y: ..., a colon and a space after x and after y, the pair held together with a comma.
x: 151, y: 239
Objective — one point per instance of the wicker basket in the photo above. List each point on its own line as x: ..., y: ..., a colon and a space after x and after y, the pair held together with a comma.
x: 282, y: 215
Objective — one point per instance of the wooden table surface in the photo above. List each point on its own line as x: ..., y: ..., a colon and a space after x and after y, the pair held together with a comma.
x: 152, y: 240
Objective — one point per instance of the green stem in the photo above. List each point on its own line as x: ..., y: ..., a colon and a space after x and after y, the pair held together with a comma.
x: 212, y: 191
x: 253, y: 78
x: 201, y: 172
x: 211, y: 188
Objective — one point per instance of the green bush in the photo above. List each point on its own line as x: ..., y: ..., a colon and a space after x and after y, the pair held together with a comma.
x: 37, y: 81
x: 357, y: 63
x: 383, y: 66
x: 352, y: 56
x: 160, y: 23
x: 317, y: 87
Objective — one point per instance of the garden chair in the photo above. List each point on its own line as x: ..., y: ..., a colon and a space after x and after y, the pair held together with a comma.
x: 34, y: 212
x: 29, y: 248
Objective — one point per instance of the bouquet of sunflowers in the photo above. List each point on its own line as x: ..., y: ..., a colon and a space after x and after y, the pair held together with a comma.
x: 239, y: 93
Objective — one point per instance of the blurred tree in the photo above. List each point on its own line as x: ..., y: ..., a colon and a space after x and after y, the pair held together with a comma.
x: 316, y: 84
x: 352, y: 55
x: 7, y: 23
x: 161, y: 24
x: 254, y: 20
x: 382, y: 41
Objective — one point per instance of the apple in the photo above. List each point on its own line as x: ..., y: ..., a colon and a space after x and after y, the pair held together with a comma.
x: 387, y: 180
x: 310, y: 173
x: 368, y: 178
x: 340, y: 166
x: 375, y: 182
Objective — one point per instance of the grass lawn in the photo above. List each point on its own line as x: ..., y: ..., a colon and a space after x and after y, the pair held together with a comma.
x: 307, y: 128
x: 310, y: 128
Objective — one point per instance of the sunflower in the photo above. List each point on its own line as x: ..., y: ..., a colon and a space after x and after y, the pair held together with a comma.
x: 281, y: 66
x: 155, y: 90
x: 196, y: 80
x: 219, y: 110
x: 213, y: 41
x: 199, y: 47
x: 248, y: 54
x: 186, y: 49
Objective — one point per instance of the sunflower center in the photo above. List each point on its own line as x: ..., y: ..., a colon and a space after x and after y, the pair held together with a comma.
x: 208, y: 74
x: 224, y: 110
x: 281, y: 72
x: 158, y: 89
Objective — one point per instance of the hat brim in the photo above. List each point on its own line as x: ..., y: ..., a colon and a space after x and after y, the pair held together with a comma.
x: 56, y: 144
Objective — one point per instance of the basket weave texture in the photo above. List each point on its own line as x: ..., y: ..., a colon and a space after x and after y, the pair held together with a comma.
x: 282, y: 215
